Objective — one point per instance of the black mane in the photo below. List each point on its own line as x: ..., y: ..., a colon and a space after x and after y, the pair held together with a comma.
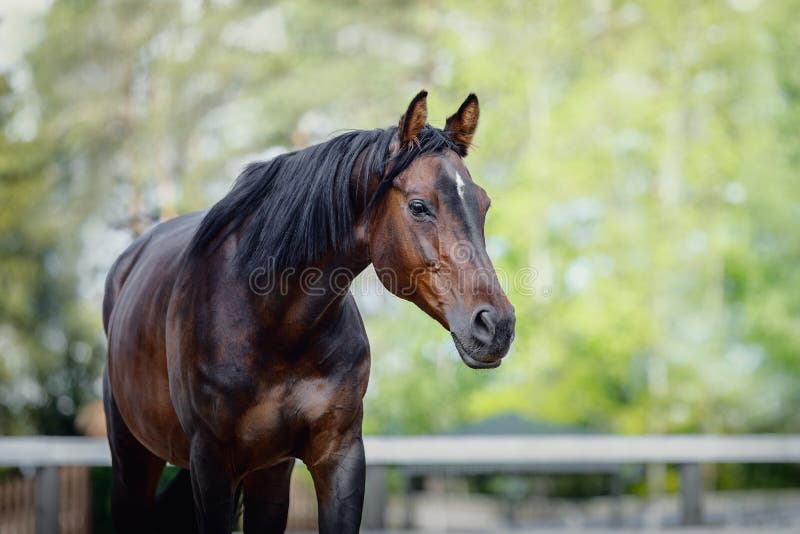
x: 300, y: 205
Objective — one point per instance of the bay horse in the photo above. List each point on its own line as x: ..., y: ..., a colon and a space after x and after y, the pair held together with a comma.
x: 216, y: 369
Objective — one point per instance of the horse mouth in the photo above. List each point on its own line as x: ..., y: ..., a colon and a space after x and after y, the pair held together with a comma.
x: 472, y: 362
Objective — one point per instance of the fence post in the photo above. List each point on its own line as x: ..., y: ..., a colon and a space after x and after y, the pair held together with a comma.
x: 617, y: 489
x: 375, y: 498
x: 408, y: 498
x: 691, y: 494
x: 45, y: 499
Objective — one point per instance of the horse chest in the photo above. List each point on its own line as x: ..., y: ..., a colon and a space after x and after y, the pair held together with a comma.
x: 284, y: 414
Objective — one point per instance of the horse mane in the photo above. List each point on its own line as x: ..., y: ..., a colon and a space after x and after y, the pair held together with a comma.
x: 299, y: 206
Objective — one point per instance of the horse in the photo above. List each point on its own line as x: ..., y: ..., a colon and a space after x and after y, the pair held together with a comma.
x: 235, y: 346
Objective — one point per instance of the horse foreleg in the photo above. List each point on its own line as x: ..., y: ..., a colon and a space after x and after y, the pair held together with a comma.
x: 213, y: 487
x: 174, y: 510
x: 266, y: 499
x: 339, y: 481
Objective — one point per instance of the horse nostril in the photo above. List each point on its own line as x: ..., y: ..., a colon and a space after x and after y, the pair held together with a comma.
x: 484, y: 324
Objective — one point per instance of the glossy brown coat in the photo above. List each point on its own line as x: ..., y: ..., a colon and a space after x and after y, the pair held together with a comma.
x: 232, y: 384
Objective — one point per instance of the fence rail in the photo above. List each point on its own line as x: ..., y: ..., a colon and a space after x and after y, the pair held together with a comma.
x: 462, y: 451
x: 463, y: 454
x: 581, y: 450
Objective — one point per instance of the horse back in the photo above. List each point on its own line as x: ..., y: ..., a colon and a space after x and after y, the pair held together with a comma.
x: 170, y: 237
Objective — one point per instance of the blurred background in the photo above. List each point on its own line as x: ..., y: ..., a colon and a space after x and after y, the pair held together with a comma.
x: 643, y: 160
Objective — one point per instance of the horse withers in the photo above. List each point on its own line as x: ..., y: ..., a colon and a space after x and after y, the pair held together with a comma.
x: 235, y: 346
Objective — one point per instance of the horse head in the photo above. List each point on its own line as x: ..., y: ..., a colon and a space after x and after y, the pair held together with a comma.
x: 426, y: 237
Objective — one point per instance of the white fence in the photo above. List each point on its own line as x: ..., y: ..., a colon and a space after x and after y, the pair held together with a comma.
x: 459, y: 451
x: 457, y: 454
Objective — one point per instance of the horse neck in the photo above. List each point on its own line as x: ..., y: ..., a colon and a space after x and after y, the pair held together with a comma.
x: 300, y: 299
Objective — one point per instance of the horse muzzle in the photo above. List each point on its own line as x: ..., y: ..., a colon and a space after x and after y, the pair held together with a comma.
x: 483, y: 339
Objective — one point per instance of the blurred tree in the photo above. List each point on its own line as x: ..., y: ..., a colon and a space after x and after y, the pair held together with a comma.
x: 47, y: 334
x: 642, y: 157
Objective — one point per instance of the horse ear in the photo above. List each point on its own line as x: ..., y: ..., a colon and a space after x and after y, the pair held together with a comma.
x: 414, y: 119
x: 462, y: 124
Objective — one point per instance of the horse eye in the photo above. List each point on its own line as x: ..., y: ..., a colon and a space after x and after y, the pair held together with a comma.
x: 417, y: 208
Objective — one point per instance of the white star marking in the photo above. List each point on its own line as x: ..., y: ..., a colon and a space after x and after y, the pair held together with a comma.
x: 460, y: 185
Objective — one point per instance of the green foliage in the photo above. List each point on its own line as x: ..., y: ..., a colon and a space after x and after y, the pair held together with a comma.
x: 101, y: 479
x: 642, y: 159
